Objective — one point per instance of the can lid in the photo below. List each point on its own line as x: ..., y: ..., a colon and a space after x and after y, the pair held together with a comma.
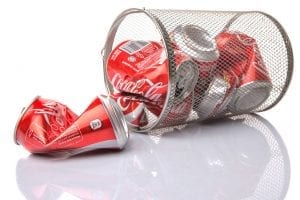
x: 187, y: 74
x: 117, y: 120
x: 213, y: 96
x: 23, y: 111
x: 250, y: 96
x: 196, y: 42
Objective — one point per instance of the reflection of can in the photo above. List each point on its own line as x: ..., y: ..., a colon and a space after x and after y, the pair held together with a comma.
x: 255, y: 85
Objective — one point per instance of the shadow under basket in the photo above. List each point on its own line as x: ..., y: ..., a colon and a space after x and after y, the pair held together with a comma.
x: 197, y: 65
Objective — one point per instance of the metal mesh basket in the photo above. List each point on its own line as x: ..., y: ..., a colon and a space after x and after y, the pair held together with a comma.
x: 204, y: 64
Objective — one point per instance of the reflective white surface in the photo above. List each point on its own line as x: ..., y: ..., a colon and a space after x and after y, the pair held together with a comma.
x: 240, y: 158
x: 52, y: 48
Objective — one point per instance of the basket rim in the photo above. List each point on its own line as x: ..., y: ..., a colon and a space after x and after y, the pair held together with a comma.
x: 290, y: 59
x: 169, y: 53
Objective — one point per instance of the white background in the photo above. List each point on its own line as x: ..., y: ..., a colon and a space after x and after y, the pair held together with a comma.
x: 52, y: 48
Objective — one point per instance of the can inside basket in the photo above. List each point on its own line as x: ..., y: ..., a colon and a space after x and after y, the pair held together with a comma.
x: 180, y: 66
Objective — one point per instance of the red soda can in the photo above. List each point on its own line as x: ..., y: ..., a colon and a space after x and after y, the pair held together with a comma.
x: 179, y: 112
x: 187, y: 75
x: 240, y: 56
x: 255, y: 85
x: 41, y: 122
x: 150, y: 80
x: 232, y: 82
x: 101, y: 125
x: 185, y: 80
x: 197, y: 43
x: 132, y: 107
x: 234, y: 48
x: 132, y: 67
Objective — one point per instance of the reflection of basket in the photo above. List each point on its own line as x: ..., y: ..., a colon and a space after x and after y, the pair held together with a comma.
x: 242, y: 157
x: 243, y: 61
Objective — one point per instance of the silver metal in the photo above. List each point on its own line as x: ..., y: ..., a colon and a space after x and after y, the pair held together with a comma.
x: 187, y: 77
x: 250, y: 96
x: 196, y: 42
x: 117, y: 120
x: 222, y: 108
x: 213, y: 97
x: 194, y: 32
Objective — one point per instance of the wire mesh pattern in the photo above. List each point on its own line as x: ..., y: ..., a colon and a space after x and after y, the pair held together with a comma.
x: 218, y: 63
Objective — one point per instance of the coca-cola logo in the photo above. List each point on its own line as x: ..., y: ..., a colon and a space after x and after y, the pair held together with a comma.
x: 123, y: 102
x: 132, y: 108
x: 144, y: 87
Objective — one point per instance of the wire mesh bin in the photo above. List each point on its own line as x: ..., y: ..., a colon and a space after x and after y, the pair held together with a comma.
x: 179, y: 66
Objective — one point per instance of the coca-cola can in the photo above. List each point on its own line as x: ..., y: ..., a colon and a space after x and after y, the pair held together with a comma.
x: 186, y: 78
x: 187, y: 75
x: 150, y: 80
x: 234, y: 48
x: 199, y: 45
x: 239, y: 55
x: 47, y: 117
x: 255, y: 85
x: 136, y: 67
x: 180, y: 110
x: 232, y: 82
x: 213, y: 97
x: 49, y: 127
x: 195, y: 42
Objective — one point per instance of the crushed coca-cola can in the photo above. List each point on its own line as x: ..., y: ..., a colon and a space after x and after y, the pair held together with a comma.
x: 49, y: 127
x: 133, y: 109
x: 213, y: 97
x: 234, y: 48
x: 136, y: 67
x: 187, y: 75
x: 199, y: 45
x: 254, y: 87
x: 41, y: 122
x: 186, y: 78
x: 232, y: 81
x: 150, y: 79
x: 195, y: 42
x: 179, y: 112
x: 240, y: 54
